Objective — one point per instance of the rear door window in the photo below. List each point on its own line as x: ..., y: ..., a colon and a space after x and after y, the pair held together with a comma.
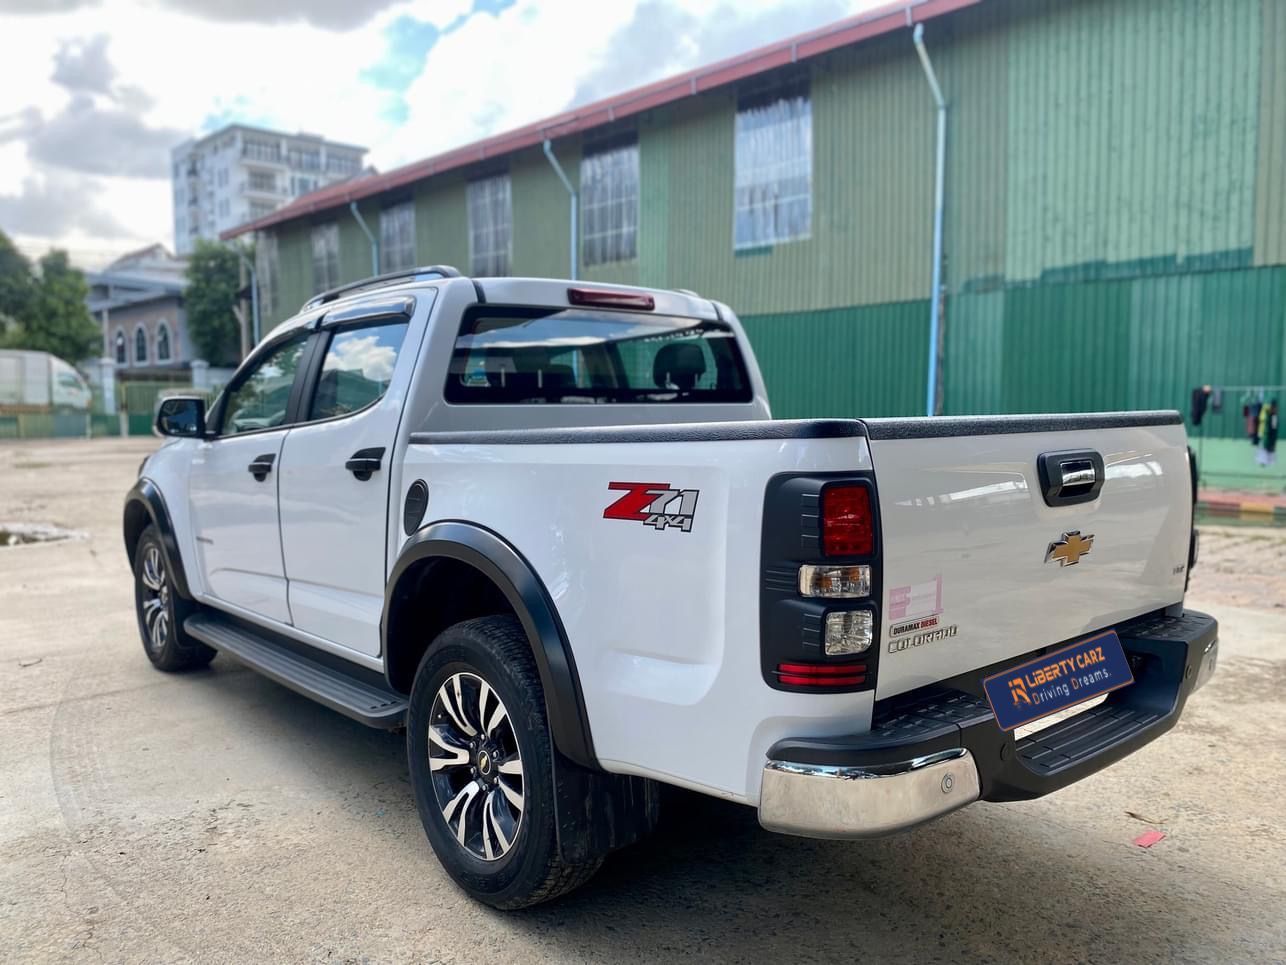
x: 507, y: 356
x: 357, y: 369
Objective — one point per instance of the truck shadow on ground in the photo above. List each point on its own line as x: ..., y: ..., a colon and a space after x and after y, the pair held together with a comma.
x: 985, y: 884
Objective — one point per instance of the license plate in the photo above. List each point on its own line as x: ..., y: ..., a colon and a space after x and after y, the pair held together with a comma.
x: 1057, y: 680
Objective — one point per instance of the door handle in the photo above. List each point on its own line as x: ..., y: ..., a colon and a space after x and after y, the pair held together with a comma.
x: 262, y: 466
x: 364, y: 462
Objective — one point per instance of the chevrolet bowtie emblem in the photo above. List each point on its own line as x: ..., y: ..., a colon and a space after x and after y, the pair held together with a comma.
x: 1069, y: 550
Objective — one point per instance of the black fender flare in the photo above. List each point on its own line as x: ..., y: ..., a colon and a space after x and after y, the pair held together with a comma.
x: 145, y: 503
x: 509, y: 570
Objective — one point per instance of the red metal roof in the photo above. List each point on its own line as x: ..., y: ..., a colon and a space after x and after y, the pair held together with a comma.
x: 851, y: 30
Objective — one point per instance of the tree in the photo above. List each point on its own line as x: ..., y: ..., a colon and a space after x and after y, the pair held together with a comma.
x: 50, y: 311
x: 213, y: 281
x: 16, y: 285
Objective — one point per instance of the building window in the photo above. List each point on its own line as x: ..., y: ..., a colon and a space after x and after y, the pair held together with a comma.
x: 397, y: 237
x: 341, y: 164
x: 609, y: 195
x: 266, y: 271
x: 263, y: 181
x: 120, y: 347
x: 773, y: 199
x: 163, y: 342
x: 325, y: 256
x: 305, y: 159
x: 490, y: 226
x: 261, y: 209
x: 258, y: 150
x: 140, y: 345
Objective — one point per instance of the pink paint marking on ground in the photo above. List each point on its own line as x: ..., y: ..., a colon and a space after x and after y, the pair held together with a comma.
x: 1148, y: 838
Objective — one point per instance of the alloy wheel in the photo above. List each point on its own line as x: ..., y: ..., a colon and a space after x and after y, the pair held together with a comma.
x: 156, y: 599
x: 476, y: 766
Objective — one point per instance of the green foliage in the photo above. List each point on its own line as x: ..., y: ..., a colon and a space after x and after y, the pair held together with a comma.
x: 46, y: 313
x: 213, y: 281
x: 16, y: 284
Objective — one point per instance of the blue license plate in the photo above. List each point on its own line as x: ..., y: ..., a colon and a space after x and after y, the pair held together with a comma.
x: 1058, y: 680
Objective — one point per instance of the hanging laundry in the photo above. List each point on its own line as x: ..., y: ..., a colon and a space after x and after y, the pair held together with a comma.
x: 1267, y: 452
x: 1216, y: 400
x: 1200, y: 398
x: 1251, y: 411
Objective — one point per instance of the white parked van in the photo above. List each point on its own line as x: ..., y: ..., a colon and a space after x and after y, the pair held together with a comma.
x: 38, y: 380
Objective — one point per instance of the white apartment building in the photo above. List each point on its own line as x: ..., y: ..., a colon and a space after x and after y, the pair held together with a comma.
x: 241, y: 173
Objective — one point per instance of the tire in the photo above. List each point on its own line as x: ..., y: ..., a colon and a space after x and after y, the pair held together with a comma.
x: 509, y: 856
x: 161, y: 611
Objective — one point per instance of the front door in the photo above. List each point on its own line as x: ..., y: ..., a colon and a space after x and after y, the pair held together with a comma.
x: 334, y: 482
x: 233, y: 488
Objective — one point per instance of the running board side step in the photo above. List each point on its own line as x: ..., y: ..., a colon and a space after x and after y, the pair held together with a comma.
x: 363, y: 702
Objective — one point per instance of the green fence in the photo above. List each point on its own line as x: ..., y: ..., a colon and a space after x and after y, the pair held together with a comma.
x: 136, y: 401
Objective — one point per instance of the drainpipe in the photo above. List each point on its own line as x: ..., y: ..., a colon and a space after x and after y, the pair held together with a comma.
x: 931, y: 404
x: 571, y: 194
x: 375, y: 245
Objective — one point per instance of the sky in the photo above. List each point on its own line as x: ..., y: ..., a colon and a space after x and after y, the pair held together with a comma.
x: 95, y: 93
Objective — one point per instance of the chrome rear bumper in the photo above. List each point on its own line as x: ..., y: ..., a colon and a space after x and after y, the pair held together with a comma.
x: 940, y: 749
x: 828, y: 801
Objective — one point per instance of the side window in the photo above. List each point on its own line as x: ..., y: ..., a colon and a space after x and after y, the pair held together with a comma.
x: 357, y: 369
x: 260, y: 399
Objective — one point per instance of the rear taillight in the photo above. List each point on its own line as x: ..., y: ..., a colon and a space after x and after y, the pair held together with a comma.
x: 821, y: 674
x: 848, y: 528
x: 822, y: 587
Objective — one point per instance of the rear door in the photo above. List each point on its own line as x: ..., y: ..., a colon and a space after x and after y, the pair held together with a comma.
x: 233, y: 484
x: 335, y: 474
x: 985, y: 558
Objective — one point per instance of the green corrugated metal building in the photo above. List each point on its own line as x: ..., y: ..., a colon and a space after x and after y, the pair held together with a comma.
x: 1115, y: 218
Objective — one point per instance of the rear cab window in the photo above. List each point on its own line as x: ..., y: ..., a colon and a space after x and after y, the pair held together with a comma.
x: 587, y: 356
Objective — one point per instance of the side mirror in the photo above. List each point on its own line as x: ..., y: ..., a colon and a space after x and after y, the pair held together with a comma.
x: 181, y: 415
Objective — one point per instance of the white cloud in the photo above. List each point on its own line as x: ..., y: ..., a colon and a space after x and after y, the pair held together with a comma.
x: 173, y: 70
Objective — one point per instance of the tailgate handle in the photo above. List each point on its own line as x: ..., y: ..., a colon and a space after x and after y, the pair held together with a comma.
x: 1071, y: 476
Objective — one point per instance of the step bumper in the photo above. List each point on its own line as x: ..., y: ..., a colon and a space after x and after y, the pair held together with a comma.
x: 932, y: 752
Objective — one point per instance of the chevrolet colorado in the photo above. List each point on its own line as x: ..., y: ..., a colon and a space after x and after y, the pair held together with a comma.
x: 550, y: 529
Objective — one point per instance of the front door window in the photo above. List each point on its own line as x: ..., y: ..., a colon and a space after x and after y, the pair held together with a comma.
x: 261, y: 397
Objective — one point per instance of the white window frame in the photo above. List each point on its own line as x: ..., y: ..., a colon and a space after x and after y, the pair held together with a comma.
x: 325, y: 245
x: 141, y: 329
x: 397, y: 237
x: 773, y: 181
x: 609, y: 203
x: 120, y: 347
x: 490, y: 206
x: 267, y: 268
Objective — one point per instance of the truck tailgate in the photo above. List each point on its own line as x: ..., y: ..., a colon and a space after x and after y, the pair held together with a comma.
x: 984, y: 559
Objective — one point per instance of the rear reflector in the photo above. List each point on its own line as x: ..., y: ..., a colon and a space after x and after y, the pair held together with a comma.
x: 847, y: 526
x: 605, y: 298
x: 821, y: 674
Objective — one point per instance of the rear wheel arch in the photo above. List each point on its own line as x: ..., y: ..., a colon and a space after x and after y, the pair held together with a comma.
x: 475, y: 572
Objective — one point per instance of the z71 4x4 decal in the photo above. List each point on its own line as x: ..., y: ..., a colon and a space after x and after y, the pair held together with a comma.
x: 654, y: 504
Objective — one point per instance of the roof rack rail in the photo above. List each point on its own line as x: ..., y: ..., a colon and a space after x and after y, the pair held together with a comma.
x: 423, y: 273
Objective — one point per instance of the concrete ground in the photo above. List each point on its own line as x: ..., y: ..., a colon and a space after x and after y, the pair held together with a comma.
x: 217, y: 817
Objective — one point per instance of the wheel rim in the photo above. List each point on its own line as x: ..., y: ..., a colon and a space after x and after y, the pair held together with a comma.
x: 476, y: 766
x: 156, y: 599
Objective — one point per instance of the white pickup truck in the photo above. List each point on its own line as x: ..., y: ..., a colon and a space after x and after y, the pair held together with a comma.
x: 550, y: 529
